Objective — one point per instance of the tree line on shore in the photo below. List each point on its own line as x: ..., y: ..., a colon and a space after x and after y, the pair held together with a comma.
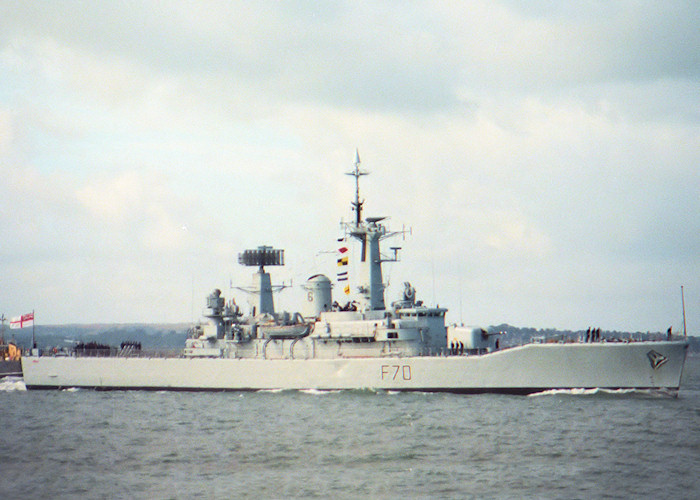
x: 172, y: 336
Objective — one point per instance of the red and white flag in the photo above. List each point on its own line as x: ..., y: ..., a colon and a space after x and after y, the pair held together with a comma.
x: 22, y: 321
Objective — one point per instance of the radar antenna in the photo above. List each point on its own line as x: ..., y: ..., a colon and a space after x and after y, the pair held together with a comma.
x: 262, y: 256
x: 260, y: 293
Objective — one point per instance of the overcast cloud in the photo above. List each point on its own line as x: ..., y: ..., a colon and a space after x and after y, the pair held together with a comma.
x: 544, y: 154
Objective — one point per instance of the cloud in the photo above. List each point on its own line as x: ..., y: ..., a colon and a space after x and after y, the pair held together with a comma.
x: 537, y: 150
x: 374, y: 57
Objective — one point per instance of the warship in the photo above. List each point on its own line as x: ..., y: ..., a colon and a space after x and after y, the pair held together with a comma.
x: 361, y: 344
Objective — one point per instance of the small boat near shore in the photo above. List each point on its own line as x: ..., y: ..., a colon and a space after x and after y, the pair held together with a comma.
x: 10, y: 355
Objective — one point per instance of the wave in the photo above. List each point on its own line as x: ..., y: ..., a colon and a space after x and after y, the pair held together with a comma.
x: 320, y: 392
x: 600, y: 391
x: 11, y: 384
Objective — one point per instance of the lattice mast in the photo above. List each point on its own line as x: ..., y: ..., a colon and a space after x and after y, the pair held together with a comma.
x: 369, y: 232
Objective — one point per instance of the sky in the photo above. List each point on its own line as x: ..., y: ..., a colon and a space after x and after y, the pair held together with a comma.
x: 540, y: 158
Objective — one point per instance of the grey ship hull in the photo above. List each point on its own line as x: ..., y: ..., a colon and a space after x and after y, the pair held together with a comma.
x: 519, y: 370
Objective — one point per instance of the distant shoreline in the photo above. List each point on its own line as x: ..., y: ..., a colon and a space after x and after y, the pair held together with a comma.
x: 171, y: 336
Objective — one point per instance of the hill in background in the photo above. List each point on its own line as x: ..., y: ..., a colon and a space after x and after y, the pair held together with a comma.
x: 151, y: 336
x: 172, y: 336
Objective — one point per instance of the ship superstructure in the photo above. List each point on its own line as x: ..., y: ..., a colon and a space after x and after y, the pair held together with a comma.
x: 325, y: 330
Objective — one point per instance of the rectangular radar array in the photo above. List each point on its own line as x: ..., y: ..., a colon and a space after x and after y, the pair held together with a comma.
x: 262, y: 256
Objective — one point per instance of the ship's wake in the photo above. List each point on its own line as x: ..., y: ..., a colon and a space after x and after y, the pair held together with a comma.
x: 313, y: 392
x: 319, y: 392
x: 602, y: 392
x: 11, y: 384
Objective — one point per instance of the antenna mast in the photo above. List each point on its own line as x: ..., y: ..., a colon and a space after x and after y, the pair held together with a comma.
x: 357, y: 204
x: 685, y: 333
x: 357, y: 173
x: 369, y: 232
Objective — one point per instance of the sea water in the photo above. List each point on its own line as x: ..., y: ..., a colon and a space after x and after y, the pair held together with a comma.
x: 349, y: 444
